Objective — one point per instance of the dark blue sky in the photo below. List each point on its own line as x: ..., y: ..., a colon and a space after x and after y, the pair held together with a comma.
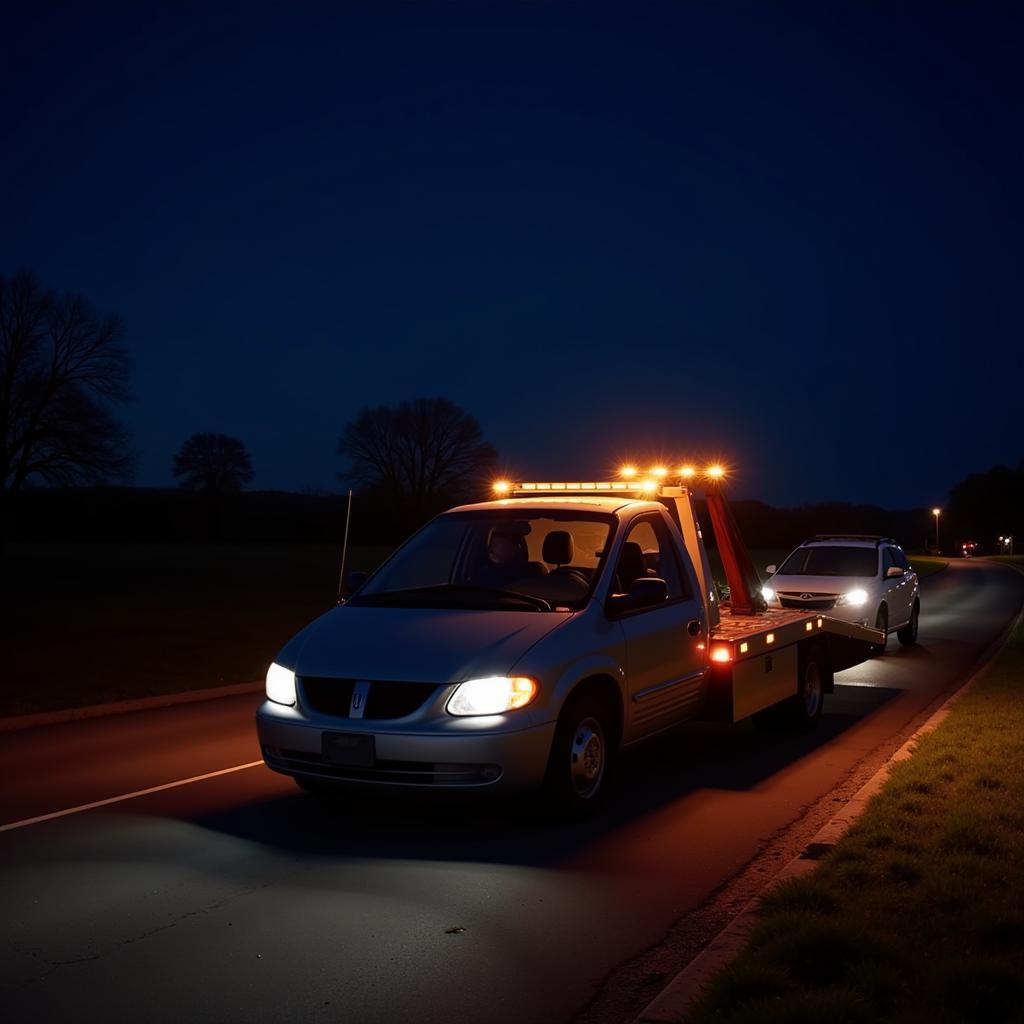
x: 787, y: 234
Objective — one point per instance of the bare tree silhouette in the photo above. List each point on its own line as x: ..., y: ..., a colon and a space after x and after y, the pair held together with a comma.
x: 427, y: 453
x: 213, y: 463
x: 63, y: 368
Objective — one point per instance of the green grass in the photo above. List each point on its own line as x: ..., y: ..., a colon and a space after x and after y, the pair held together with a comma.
x: 917, y: 915
x: 88, y: 623
x: 924, y: 565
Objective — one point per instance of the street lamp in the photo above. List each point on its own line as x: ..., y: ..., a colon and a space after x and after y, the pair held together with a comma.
x: 936, y: 512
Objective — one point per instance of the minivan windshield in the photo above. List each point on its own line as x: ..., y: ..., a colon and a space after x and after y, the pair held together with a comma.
x: 833, y: 560
x: 505, y: 558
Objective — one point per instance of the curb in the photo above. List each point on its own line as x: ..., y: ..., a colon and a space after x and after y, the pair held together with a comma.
x: 669, y: 1006
x: 122, y: 707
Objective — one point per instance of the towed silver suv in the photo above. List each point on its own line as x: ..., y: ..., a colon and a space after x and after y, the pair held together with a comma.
x: 859, y: 578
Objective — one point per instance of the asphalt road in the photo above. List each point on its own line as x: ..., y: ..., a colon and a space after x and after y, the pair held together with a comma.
x: 236, y: 897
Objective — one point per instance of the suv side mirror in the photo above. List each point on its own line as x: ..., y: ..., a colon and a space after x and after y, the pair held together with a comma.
x: 893, y: 571
x: 771, y: 569
x: 644, y: 592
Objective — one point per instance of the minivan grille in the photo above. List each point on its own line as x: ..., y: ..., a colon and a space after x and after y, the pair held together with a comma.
x: 386, y: 700
x: 816, y: 602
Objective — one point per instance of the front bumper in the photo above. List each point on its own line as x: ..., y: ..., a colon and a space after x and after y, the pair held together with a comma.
x: 492, y: 758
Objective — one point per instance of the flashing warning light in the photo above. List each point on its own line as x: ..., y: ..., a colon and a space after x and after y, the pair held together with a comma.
x: 687, y: 472
x: 649, y: 486
x: 502, y: 486
x: 721, y: 654
x: 627, y: 472
x: 660, y: 472
x: 716, y: 471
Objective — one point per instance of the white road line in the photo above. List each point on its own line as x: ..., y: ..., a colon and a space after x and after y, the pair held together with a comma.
x: 125, y: 796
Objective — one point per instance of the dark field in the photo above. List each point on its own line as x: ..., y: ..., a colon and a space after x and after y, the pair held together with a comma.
x: 88, y: 623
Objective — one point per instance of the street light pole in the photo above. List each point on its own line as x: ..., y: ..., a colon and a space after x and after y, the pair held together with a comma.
x: 936, y: 512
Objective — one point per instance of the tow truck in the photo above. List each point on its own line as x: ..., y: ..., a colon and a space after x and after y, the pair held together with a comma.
x: 524, y: 641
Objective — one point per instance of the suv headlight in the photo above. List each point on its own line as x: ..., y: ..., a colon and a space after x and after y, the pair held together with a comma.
x: 492, y: 695
x: 854, y: 598
x: 280, y: 684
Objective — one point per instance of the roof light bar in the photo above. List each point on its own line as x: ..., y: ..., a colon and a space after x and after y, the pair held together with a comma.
x: 630, y: 478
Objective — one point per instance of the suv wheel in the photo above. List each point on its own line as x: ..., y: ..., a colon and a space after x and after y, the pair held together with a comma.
x: 908, y: 634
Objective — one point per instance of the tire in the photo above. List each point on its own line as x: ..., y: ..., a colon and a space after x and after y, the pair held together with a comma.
x: 881, y: 624
x: 801, y: 712
x: 908, y: 634
x: 578, y: 772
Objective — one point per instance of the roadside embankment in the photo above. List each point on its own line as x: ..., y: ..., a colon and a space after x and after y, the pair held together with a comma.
x: 917, y: 914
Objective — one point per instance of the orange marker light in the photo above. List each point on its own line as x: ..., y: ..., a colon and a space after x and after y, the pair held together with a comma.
x: 716, y: 471
x: 502, y: 487
x: 721, y: 654
x: 687, y: 472
x: 649, y: 486
x: 627, y: 472
x: 659, y: 471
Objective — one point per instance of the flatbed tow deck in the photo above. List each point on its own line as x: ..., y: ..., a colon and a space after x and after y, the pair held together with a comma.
x: 748, y: 650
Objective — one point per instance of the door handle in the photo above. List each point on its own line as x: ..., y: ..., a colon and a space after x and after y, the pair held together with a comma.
x: 694, y: 627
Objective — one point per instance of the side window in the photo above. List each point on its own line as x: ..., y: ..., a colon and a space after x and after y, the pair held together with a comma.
x: 900, y: 558
x: 648, y: 551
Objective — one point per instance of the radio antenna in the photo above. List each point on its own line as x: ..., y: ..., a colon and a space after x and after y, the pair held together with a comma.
x: 344, y: 545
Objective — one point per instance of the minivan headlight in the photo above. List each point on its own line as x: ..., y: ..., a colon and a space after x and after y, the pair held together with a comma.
x: 492, y: 695
x: 280, y: 684
x: 854, y: 598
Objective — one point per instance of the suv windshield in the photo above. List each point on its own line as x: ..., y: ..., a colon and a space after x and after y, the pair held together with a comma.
x: 508, y: 558
x: 831, y: 561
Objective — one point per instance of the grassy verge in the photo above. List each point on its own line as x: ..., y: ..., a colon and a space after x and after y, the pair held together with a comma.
x: 89, y: 623
x: 917, y: 915
x: 925, y: 565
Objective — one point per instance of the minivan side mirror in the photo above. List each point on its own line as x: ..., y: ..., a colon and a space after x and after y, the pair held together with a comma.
x: 771, y: 569
x: 893, y: 571
x: 644, y: 592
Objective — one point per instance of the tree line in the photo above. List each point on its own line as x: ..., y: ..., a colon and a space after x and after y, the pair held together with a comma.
x: 65, y: 371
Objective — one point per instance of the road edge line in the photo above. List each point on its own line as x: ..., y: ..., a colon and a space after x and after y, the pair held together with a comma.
x: 15, y: 723
x: 11, y: 826
x: 676, y: 997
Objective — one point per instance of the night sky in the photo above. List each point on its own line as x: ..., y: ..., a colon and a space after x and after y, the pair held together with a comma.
x: 787, y: 235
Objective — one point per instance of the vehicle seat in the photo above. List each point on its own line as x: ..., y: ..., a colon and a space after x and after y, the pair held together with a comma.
x: 631, y: 565
x: 559, y: 549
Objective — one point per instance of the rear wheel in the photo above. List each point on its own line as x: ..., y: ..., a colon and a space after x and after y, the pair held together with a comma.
x: 578, y: 767
x: 802, y: 712
x: 908, y: 634
x: 882, y: 625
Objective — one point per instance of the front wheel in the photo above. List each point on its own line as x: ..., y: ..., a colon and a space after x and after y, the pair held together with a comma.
x: 578, y: 767
x: 908, y: 634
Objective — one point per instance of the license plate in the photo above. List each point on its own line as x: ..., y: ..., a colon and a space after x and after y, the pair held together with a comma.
x: 346, y: 748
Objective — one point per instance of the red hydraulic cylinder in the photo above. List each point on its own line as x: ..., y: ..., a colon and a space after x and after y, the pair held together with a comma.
x: 740, y: 574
